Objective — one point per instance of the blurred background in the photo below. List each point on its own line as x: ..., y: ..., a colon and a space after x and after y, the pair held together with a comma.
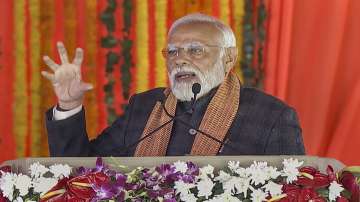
x: 305, y: 52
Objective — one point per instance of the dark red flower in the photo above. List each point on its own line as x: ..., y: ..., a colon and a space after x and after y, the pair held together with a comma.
x: 2, y: 198
x: 77, y: 189
x: 341, y: 199
x: 297, y: 193
x: 5, y: 169
x: 348, y: 180
x: 318, y: 180
x: 56, y: 194
x: 331, y: 173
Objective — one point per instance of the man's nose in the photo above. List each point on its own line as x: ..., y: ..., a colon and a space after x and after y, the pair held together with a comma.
x: 181, y: 62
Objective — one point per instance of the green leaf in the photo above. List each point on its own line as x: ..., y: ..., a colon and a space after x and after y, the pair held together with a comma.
x: 108, y: 42
x: 345, y: 193
x: 111, y: 5
x: 112, y: 58
x: 323, y: 192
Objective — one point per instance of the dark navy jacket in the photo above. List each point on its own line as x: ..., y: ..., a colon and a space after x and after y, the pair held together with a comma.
x: 264, y: 125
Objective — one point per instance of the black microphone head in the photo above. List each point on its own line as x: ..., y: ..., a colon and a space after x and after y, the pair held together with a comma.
x: 196, y: 87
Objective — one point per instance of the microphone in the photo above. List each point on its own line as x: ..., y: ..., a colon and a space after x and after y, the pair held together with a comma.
x: 196, y: 88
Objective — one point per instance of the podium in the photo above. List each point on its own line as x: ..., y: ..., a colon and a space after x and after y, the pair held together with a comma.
x: 219, y: 162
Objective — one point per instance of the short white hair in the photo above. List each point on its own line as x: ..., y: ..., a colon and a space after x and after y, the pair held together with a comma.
x: 229, y: 39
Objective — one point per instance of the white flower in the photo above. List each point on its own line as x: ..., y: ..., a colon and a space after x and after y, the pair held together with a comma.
x: 258, y: 195
x: 42, y: 185
x: 225, y: 197
x: 259, y: 165
x: 182, y: 187
x: 223, y: 177
x: 237, y: 185
x: 257, y: 173
x: 37, y: 170
x: 243, y: 172
x: 273, y: 188
x: 290, y: 174
x: 205, y: 187
x: 232, y: 165
x: 334, y: 190
x: 188, y: 198
x: 258, y: 177
x: 7, y: 183
x: 272, y: 172
x: 206, y: 171
x: 18, y: 199
x: 60, y: 170
x: 23, y: 184
x: 292, y: 163
x: 180, y: 166
x: 290, y: 169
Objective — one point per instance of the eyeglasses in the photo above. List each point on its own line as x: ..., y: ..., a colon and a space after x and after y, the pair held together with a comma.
x: 193, y: 50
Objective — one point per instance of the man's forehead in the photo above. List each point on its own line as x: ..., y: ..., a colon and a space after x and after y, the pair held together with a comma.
x: 187, y: 43
x: 203, y: 32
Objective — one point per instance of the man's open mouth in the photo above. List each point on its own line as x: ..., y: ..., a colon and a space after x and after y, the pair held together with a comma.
x: 185, y: 75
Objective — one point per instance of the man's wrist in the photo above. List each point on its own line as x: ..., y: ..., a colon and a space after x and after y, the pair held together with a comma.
x: 61, y: 109
x: 66, y: 106
x: 60, y: 115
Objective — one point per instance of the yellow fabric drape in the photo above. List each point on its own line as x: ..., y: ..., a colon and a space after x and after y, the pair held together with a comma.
x: 142, y: 50
x: 21, y: 98
x: 161, y: 34
x: 34, y: 8
x: 90, y: 53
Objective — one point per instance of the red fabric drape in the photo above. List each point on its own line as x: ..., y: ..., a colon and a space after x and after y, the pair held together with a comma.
x: 313, y: 63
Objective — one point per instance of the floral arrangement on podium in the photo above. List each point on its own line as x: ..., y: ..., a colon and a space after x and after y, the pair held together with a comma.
x: 181, y: 181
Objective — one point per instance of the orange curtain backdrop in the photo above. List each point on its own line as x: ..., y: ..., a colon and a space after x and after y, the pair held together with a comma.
x: 313, y: 63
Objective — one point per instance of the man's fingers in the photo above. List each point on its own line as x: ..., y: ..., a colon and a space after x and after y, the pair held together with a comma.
x: 62, y: 53
x: 49, y: 76
x: 79, y: 55
x: 50, y: 63
x: 86, y: 86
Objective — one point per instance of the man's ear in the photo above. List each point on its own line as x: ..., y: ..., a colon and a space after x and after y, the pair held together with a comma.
x: 231, y: 54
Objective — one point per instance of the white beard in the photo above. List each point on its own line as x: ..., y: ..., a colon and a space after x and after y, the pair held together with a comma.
x: 208, y: 80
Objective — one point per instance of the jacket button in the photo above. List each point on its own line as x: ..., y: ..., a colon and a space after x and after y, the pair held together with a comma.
x: 192, y: 131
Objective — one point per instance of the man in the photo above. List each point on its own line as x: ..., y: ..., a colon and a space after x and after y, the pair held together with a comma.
x: 224, y: 119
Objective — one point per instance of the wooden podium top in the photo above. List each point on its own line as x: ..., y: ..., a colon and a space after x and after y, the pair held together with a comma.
x: 219, y: 162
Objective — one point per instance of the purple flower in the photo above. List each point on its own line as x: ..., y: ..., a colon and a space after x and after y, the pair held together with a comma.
x: 100, y: 166
x: 134, y: 186
x: 83, y: 171
x: 188, y: 178
x: 192, y: 169
x: 108, y: 191
x: 120, y: 179
x: 168, y: 193
x: 165, y: 170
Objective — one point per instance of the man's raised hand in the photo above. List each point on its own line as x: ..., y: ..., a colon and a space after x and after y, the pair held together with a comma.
x: 66, y: 78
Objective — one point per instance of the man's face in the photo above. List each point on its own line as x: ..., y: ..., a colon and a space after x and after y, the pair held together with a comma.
x: 195, y: 56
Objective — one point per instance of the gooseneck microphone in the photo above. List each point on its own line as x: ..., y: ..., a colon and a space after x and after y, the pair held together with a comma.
x: 196, y: 87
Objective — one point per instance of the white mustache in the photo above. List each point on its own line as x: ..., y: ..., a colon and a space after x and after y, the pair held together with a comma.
x: 190, y: 69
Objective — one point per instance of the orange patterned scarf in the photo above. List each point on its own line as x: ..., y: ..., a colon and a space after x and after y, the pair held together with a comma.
x: 217, y: 120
